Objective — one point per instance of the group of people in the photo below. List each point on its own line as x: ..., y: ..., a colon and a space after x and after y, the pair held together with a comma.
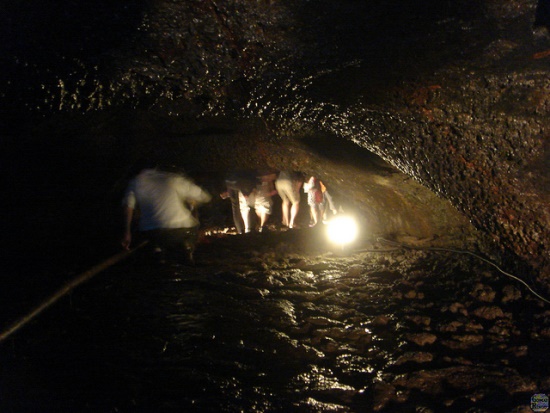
x: 166, y: 202
x: 249, y: 190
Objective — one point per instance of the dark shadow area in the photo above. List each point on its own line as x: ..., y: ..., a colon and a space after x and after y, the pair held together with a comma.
x: 50, y: 45
x: 390, y: 40
x: 542, y: 16
x: 347, y: 153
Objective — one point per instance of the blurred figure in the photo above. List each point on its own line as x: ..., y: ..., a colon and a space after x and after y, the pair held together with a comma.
x: 328, y: 202
x: 167, y: 204
x: 314, y: 199
x: 260, y: 199
x: 288, y: 186
x: 238, y: 181
x: 265, y: 190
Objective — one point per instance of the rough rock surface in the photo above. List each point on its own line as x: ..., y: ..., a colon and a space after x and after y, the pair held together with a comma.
x: 284, y: 322
x: 453, y: 96
x: 427, y: 119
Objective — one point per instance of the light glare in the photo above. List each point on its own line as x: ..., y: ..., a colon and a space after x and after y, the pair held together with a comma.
x: 342, y: 230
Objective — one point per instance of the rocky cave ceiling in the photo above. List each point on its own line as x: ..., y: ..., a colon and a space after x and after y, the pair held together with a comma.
x: 429, y: 115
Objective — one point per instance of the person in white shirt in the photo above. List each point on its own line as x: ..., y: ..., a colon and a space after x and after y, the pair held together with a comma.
x: 260, y: 199
x: 167, y: 203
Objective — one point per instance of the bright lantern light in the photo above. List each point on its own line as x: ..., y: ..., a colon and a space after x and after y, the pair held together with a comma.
x: 342, y: 230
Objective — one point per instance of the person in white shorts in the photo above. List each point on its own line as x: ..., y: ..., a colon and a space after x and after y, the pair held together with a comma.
x: 288, y: 186
x: 260, y: 199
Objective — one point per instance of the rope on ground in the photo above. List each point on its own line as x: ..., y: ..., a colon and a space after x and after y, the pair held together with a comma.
x: 75, y: 282
x: 383, y: 240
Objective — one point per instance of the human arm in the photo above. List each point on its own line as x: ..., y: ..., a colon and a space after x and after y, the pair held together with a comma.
x: 191, y: 193
x: 330, y: 202
x: 129, y: 205
x: 127, y: 235
x: 271, y: 188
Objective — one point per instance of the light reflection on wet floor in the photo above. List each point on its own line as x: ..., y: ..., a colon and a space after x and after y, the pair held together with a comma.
x: 274, y: 324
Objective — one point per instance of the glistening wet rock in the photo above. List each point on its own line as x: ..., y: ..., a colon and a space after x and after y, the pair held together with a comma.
x: 279, y: 338
x: 442, y: 126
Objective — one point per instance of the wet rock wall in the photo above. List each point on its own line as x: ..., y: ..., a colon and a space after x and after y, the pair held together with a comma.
x: 472, y: 142
x: 453, y: 95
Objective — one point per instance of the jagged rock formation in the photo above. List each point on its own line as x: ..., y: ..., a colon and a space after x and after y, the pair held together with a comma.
x: 437, y: 110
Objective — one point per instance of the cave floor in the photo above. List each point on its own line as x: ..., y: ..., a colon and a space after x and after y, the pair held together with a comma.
x: 280, y: 322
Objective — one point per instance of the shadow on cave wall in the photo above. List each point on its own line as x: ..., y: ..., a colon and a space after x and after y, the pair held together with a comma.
x: 383, y: 43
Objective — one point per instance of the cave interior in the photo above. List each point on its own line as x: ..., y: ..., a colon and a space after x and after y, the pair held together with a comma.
x: 428, y: 120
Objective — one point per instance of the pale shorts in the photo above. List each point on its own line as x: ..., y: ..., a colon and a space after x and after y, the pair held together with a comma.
x: 260, y: 202
x: 288, y: 190
x: 245, y: 203
x: 263, y: 203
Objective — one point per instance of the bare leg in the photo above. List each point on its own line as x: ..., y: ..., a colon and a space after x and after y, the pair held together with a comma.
x: 244, y: 205
x: 314, y: 215
x: 246, y: 219
x: 263, y: 217
x: 286, y: 208
x: 293, y: 213
x: 235, y: 210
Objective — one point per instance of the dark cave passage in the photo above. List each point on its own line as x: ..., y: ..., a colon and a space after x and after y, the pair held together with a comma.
x: 274, y: 322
